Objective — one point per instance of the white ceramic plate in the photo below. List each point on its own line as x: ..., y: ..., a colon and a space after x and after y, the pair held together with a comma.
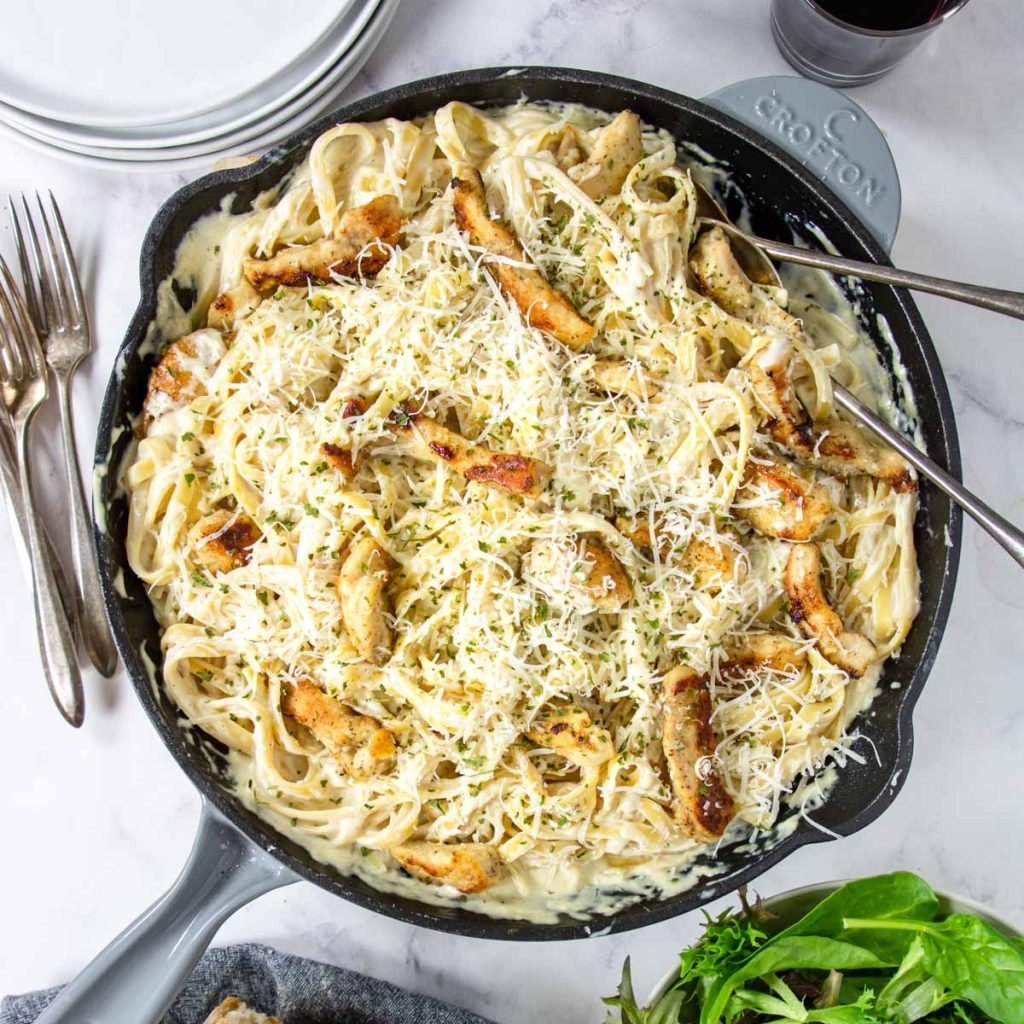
x: 253, y: 140
x: 259, y: 104
x: 117, y: 62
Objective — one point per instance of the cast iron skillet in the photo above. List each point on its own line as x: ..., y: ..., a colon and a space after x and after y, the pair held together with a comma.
x: 773, y: 183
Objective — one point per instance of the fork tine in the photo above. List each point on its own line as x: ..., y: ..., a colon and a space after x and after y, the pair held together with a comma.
x: 76, y: 301
x: 47, y: 309
x: 24, y: 332
x: 29, y: 273
x: 54, y: 277
x: 10, y: 344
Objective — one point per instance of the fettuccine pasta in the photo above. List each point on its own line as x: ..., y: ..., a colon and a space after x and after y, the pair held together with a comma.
x: 497, y: 572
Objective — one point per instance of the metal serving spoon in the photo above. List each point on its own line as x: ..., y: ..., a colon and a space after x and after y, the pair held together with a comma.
x: 753, y: 252
x: 750, y: 254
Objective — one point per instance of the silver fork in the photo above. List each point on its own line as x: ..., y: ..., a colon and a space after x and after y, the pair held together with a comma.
x: 54, y: 297
x: 23, y: 374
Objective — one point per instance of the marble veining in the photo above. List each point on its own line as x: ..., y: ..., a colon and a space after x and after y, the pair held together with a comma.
x: 97, y: 823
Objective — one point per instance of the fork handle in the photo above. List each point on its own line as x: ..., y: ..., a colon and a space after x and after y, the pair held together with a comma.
x: 56, y: 639
x: 11, y: 488
x: 92, y: 617
x: 998, y: 300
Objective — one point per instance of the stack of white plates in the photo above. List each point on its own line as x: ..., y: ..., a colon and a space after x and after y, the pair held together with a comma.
x: 149, y: 84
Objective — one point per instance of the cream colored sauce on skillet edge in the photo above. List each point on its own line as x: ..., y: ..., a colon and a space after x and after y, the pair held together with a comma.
x: 831, y: 318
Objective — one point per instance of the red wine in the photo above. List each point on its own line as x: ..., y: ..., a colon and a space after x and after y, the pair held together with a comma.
x: 883, y: 15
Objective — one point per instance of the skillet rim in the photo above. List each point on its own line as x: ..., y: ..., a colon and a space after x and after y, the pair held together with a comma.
x: 467, y: 923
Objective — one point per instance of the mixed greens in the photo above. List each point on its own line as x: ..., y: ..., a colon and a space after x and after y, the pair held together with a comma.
x: 875, y: 951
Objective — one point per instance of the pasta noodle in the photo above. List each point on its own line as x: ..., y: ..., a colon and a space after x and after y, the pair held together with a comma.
x: 491, y: 608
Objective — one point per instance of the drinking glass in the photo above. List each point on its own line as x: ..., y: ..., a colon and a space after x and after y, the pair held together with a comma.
x: 829, y: 41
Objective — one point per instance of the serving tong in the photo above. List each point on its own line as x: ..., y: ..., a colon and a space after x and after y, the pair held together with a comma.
x: 752, y: 254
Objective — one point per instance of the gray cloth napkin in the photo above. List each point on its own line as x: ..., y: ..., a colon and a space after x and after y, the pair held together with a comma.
x: 298, y: 991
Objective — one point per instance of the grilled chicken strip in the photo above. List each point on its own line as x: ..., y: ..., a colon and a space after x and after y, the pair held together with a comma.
x: 360, y: 246
x: 773, y: 651
x: 468, y: 867
x: 711, y: 564
x: 721, y: 278
x: 362, y: 584
x: 617, y: 148
x: 570, y: 731
x: 701, y: 806
x: 835, y: 445
x: 429, y: 440
x: 222, y: 540
x: 605, y: 581
x: 340, y: 458
x: 816, y: 618
x: 359, y: 743
x: 565, y: 147
x: 789, y: 507
x: 618, y: 377
x: 234, y: 304
x: 183, y: 373
x: 544, y: 307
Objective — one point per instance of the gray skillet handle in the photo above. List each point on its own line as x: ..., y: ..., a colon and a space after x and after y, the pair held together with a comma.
x: 137, y: 977
x: 830, y: 135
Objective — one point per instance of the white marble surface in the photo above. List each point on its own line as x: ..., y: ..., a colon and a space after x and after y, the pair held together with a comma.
x: 97, y: 823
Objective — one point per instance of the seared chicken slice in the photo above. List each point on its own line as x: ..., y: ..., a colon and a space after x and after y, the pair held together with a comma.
x: 358, y: 743
x: 468, y: 867
x: 233, y: 1011
x: 360, y: 246
x: 722, y: 279
x: 544, y: 307
x: 234, y: 304
x: 183, y: 373
x: 605, y: 581
x: 701, y: 806
x: 428, y: 439
x: 222, y: 540
x: 570, y: 731
x: 773, y: 651
x: 362, y: 584
x: 711, y: 564
x: 789, y: 507
x: 639, y: 532
x: 816, y: 618
x: 835, y: 445
x: 843, y: 449
x: 565, y: 147
x: 617, y: 148
x: 341, y: 458
x: 616, y: 376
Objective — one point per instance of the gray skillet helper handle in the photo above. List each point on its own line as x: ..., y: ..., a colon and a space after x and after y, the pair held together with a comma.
x: 138, y: 976
x: 830, y: 135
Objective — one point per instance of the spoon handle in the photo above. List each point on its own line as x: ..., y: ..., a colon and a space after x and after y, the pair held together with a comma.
x: 998, y: 300
x: 1003, y: 532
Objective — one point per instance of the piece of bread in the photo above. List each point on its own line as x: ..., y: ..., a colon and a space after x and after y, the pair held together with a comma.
x: 233, y: 1011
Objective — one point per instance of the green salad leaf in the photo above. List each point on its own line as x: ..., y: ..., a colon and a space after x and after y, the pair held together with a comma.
x: 873, y: 952
x: 967, y: 957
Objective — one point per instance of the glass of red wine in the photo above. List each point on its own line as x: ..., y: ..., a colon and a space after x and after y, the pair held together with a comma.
x: 851, y: 42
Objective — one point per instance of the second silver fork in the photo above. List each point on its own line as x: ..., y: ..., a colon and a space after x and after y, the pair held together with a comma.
x: 23, y: 375
x: 54, y: 297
